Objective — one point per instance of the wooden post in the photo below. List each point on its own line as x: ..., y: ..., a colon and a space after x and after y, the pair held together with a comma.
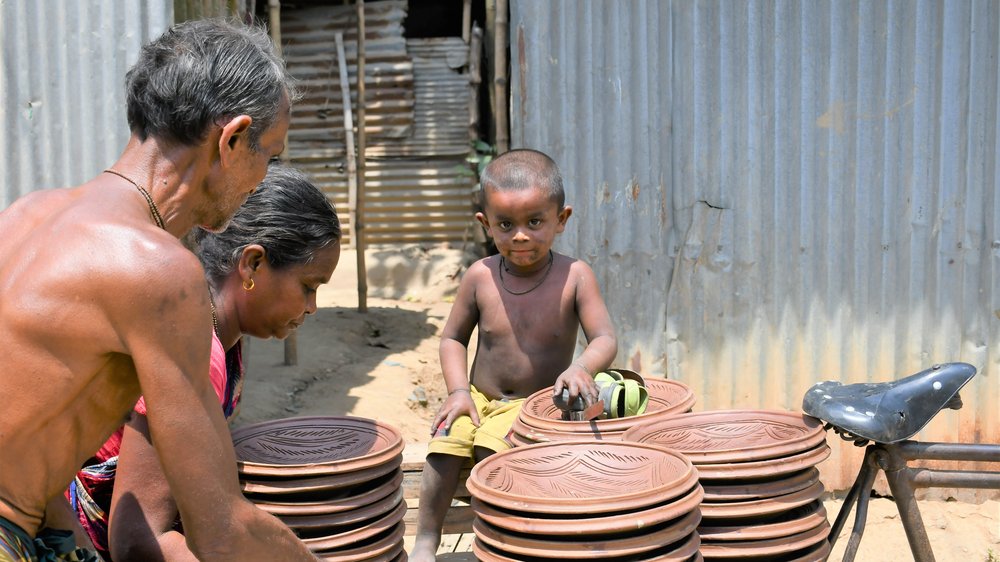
x: 352, y: 168
x: 360, y: 227
x: 466, y: 20
x: 274, y: 26
x: 475, y: 58
x: 500, y: 77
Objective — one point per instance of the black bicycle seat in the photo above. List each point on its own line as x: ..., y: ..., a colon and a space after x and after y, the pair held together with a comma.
x: 888, y: 412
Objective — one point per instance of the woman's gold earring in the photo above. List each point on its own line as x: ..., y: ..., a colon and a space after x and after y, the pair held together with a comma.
x: 248, y: 284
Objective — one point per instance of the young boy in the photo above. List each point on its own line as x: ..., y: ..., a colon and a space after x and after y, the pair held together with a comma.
x: 528, y: 303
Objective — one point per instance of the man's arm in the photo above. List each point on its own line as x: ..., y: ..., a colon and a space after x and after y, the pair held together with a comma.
x: 142, y: 524
x: 169, y: 344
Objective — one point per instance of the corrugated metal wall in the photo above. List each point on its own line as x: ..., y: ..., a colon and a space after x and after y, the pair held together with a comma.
x: 62, y: 99
x: 416, y: 118
x: 777, y: 193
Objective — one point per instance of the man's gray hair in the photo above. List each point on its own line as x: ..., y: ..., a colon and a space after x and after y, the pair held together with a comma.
x: 202, y: 73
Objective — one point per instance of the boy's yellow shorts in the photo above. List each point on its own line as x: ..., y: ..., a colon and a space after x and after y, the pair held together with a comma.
x: 495, y: 420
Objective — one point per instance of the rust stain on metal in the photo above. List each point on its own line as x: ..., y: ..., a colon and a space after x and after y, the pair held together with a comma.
x: 635, y: 190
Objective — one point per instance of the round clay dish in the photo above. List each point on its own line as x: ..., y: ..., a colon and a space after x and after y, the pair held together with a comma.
x: 570, y: 525
x: 720, y: 436
x: 575, y: 548
x: 354, y: 534
x: 382, y: 547
x: 317, y: 445
x: 772, y: 547
x: 281, y: 486
x: 792, y: 522
x: 685, y: 550
x: 757, y: 488
x: 528, y: 435
x: 331, y: 520
x: 768, y: 467
x: 355, y: 497
x: 589, y: 476
x: 816, y: 553
x: 761, y: 507
x: 666, y: 398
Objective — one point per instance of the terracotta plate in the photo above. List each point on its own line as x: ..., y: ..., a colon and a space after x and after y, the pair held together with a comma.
x: 760, y: 507
x: 332, y: 520
x: 308, y: 446
x: 772, y: 547
x: 720, y: 436
x: 355, y: 533
x: 382, y: 548
x: 574, y: 524
x: 784, y: 524
x: 350, y: 498
x: 591, y: 476
x: 298, y: 486
x: 768, y: 467
x: 666, y: 398
x: 575, y: 548
x: 756, y: 488
x: 522, y: 434
x: 682, y: 551
x: 816, y: 553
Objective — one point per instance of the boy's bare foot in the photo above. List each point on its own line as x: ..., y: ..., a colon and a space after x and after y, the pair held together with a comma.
x: 425, y: 548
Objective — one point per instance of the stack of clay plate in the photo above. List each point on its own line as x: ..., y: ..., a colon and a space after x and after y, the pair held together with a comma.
x: 540, y: 421
x: 577, y: 500
x: 336, y: 481
x: 758, y: 470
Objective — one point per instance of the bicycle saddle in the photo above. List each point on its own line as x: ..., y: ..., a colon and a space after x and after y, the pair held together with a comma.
x: 888, y: 412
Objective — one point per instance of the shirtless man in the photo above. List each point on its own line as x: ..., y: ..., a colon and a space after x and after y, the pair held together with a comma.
x: 529, y: 304
x: 100, y: 302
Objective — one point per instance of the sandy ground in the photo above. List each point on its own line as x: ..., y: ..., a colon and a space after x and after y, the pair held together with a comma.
x: 383, y: 364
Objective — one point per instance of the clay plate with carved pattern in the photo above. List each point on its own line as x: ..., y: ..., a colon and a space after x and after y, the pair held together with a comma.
x: 721, y: 436
x: 683, y: 551
x: 756, y: 488
x: 314, y: 445
x: 763, y: 506
x: 666, y: 398
x: 591, y: 476
x: 762, y: 548
x: 767, y: 467
x: 582, y: 524
x: 296, y: 487
x: 383, y: 547
x: 576, y: 548
x: 789, y: 522
x: 313, y: 503
x: 348, y: 535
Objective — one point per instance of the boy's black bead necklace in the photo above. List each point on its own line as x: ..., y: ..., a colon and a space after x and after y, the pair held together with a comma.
x: 503, y: 267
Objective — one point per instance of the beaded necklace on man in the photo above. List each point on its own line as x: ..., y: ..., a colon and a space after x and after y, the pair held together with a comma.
x: 149, y: 198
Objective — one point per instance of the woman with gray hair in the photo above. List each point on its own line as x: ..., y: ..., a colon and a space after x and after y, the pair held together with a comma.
x: 263, y: 272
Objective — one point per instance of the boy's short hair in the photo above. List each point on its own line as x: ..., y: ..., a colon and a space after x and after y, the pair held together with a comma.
x: 520, y: 169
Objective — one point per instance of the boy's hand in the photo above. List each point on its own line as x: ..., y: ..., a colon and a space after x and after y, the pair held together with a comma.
x: 459, y: 402
x: 579, y: 383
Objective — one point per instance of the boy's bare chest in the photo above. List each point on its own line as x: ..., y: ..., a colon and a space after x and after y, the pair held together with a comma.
x: 541, y: 319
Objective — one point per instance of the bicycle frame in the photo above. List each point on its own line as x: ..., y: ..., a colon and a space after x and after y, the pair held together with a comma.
x: 903, y: 480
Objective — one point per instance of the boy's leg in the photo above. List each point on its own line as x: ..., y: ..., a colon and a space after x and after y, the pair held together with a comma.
x: 437, y: 487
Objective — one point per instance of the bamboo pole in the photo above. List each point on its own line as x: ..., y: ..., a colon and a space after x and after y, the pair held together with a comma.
x: 466, y: 20
x: 274, y: 27
x: 475, y: 79
x: 500, y: 77
x: 352, y: 168
x: 360, y: 231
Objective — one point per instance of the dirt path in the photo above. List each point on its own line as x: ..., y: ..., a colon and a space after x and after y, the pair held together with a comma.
x: 383, y: 364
